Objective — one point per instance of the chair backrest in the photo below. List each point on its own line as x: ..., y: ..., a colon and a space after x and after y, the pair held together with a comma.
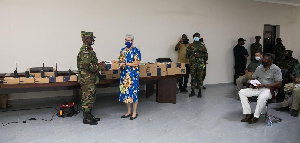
x: 161, y: 60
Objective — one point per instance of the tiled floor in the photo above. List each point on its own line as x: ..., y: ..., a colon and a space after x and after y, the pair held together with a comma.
x: 213, y: 118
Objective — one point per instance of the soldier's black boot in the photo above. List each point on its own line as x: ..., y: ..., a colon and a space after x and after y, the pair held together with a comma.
x: 192, y: 93
x: 88, y: 118
x: 184, y: 88
x: 199, y: 94
x: 294, y: 113
x: 97, y: 119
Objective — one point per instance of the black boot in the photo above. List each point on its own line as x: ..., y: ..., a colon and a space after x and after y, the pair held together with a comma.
x: 88, y: 118
x: 184, y: 88
x: 204, y: 87
x: 287, y: 108
x: 97, y: 119
x: 294, y: 113
x: 192, y: 93
x: 199, y: 94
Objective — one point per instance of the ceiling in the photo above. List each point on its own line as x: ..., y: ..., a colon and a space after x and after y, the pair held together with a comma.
x: 287, y: 2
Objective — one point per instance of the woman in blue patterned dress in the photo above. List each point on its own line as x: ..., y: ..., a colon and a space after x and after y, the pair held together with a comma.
x: 129, y: 59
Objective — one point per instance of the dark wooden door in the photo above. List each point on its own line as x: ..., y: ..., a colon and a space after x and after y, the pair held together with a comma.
x: 269, y: 38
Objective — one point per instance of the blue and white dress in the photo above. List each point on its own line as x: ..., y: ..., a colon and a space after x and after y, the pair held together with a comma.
x: 129, y: 76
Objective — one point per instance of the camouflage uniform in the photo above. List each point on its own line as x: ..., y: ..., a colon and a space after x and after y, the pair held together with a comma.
x: 88, y: 77
x: 295, y: 91
x: 279, y: 52
x: 254, y: 48
x: 204, y: 69
x: 197, y: 64
x: 289, y: 62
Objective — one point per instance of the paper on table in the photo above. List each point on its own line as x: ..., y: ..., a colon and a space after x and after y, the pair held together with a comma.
x: 255, y: 82
x: 297, y: 85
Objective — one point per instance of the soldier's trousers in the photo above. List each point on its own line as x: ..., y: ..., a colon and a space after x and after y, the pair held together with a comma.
x: 295, y: 96
x: 196, y: 71
x: 88, y: 97
x: 182, y: 81
x: 204, y: 72
x: 238, y: 71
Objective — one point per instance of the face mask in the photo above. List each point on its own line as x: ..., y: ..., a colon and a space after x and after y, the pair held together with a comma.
x: 243, y: 43
x: 128, y: 44
x: 196, y: 39
x: 264, y: 63
x: 257, y: 58
x: 185, y: 41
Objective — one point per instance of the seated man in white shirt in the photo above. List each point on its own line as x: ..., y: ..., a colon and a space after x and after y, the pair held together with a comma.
x: 269, y: 75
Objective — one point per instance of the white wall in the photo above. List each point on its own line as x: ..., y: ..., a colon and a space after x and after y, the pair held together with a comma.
x: 34, y: 31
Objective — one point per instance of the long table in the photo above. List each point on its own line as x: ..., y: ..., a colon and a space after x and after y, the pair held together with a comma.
x: 166, y: 87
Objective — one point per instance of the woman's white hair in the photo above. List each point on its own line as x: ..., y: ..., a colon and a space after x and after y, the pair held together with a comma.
x: 130, y: 36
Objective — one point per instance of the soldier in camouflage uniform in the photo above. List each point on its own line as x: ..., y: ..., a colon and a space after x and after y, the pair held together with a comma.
x: 279, y: 52
x: 88, y: 68
x: 197, y: 55
x: 255, y: 47
x: 292, y: 87
x: 205, y: 63
x: 289, y: 62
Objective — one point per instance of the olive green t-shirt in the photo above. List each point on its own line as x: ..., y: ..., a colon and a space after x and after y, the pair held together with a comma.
x: 182, y: 53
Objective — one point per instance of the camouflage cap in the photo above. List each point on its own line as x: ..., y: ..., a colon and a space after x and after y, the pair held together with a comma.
x: 83, y: 33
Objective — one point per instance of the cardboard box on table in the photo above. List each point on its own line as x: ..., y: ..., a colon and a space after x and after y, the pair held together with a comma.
x: 11, y: 80
x: 163, y: 69
x: 109, y: 76
x: 143, y: 68
x: 73, y: 78
x: 59, y: 79
x: 152, y: 68
x: 41, y: 80
x: 116, y: 74
x: 112, y: 65
x: 26, y: 80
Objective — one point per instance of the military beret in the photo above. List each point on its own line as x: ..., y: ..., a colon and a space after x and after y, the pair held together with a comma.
x: 257, y: 37
x: 278, y: 39
x: 83, y: 33
x: 289, y: 52
x: 241, y: 39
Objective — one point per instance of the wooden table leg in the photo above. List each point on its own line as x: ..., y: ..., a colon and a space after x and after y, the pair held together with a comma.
x: 77, y: 95
x: 149, y: 89
x: 3, y: 101
x: 166, y: 90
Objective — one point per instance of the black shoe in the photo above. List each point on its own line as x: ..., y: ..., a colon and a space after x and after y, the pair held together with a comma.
x: 192, y: 93
x: 124, y: 116
x: 199, y: 94
x: 89, y: 119
x: 204, y: 87
x: 283, y: 109
x: 183, y: 90
x: 97, y: 119
x: 132, y: 118
x: 253, y: 120
x: 8, y: 105
x: 294, y: 113
x: 247, y: 118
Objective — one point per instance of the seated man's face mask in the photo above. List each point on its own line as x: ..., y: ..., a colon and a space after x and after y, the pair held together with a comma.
x: 257, y: 58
